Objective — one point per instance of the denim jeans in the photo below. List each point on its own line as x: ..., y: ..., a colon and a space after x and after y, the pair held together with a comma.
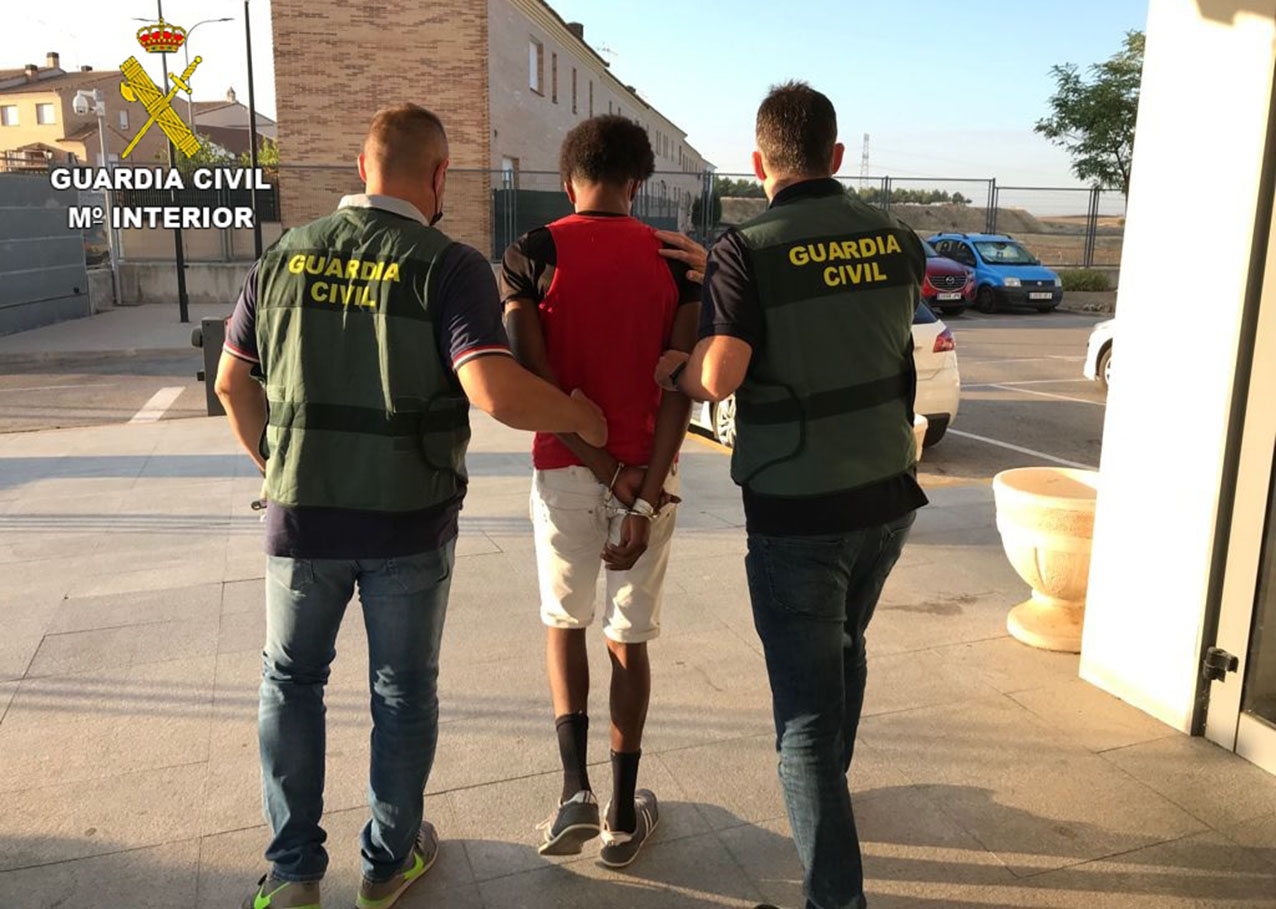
x: 813, y: 597
x: 404, y: 603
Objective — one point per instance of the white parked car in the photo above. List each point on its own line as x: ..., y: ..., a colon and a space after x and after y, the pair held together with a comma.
x: 938, y: 384
x: 1098, y: 355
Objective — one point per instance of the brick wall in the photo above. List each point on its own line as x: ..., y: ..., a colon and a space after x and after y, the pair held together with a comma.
x: 329, y: 83
x: 528, y: 127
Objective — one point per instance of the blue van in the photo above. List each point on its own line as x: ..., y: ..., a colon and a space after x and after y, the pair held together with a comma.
x: 1006, y: 274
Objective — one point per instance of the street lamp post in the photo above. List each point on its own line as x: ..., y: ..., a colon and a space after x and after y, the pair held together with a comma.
x: 179, y: 254
x: 252, y: 132
x: 186, y: 49
x: 83, y: 98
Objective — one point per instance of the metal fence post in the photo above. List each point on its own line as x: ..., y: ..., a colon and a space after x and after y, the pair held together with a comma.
x: 1092, y: 227
x: 993, y: 202
x: 886, y: 194
x: 706, y: 203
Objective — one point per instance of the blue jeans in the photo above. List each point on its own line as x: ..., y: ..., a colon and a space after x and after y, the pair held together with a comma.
x: 404, y: 603
x: 813, y: 597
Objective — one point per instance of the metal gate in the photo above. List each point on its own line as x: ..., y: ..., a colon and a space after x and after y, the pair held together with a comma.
x: 43, y: 277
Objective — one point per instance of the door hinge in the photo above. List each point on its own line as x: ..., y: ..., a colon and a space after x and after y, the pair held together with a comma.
x: 1218, y: 663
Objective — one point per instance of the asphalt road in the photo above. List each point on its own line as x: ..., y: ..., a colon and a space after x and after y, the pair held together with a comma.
x: 1021, y: 387
x: 56, y: 391
x: 1021, y: 378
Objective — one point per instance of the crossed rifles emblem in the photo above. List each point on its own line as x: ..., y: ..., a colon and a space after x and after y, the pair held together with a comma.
x: 159, y: 105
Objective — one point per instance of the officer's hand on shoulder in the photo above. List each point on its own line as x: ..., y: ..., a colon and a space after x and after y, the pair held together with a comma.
x: 684, y: 249
x: 594, y: 422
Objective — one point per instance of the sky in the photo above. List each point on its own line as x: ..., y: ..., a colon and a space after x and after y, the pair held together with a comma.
x: 943, y: 89
x: 101, y: 34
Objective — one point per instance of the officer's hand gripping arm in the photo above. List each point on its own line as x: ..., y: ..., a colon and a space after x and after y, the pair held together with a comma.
x: 498, y: 386
x: 527, y: 338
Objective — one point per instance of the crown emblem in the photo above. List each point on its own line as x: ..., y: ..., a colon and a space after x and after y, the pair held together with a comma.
x: 161, y: 38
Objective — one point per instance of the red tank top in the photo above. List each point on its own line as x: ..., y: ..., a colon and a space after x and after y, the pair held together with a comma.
x: 607, y: 317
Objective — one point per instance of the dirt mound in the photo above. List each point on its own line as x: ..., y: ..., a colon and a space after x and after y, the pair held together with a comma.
x: 925, y: 219
x: 737, y: 209
x: 930, y: 219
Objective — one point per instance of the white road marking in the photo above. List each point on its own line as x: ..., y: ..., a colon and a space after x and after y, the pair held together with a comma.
x: 1028, y: 451
x: 1030, y: 382
x: 161, y: 401
x: 48, y: 387
x: 1022, y: 360
x: 1046, y: 394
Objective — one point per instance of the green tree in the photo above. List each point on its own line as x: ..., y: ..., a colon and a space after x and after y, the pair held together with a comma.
x: 267, y: 157
x: 738, y: 189
x: 1094, y: 118
x: 209, y: 154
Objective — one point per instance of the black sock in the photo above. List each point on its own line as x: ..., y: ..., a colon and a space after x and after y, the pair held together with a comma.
x: 624, y: 780
x: 573, y: 741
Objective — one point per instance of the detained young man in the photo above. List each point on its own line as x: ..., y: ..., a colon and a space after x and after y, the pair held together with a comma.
x: 591, y: 304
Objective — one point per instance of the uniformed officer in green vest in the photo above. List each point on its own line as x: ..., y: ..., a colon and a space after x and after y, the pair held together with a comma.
x: 372, y: 333
x: 807, y: 319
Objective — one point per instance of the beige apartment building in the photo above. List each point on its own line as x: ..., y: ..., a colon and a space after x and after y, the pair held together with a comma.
x: 508, y: 77
x: 38, y: 125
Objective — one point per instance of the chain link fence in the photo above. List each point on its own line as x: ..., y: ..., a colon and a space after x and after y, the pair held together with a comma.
x: 1072, y: 227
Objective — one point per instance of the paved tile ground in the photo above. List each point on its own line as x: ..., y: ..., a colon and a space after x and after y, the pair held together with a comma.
x: 987, y: 774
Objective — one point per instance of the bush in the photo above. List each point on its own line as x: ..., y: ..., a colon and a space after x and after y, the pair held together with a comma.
x: 1085, y: 280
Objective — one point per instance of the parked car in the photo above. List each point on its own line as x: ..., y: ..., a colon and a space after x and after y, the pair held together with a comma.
x: 948, y: 285
x: 1098, y: 355
x: 1006, y: 274
x: 938, y: 384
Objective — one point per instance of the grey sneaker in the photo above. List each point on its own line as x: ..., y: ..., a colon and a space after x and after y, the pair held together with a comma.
x: 620, y: 848
x: 571, y: 826
x: 384, y: 894
x: 272, y: 893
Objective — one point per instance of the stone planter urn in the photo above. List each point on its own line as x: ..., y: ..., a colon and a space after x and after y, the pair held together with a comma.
x: 1046, y: 519
x: 920, y: 425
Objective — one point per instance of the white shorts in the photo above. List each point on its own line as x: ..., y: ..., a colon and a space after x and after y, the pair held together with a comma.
x: 573, y: 518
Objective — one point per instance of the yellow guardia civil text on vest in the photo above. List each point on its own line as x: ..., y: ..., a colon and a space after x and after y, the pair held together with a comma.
x: 364, y: 412
x: 827, y: 403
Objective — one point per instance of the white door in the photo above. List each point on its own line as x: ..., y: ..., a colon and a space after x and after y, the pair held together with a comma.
x: 1242, y: 704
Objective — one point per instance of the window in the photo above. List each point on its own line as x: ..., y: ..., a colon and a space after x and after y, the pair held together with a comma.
x: 44, y: 114
x: 123, y: 119
x: 962, y: 253
x: 9, y: 115
x: 609, y: 110
x: 574, y: 110
x: 553, y: 78
x: 591, y: 97
x: 536, y: 66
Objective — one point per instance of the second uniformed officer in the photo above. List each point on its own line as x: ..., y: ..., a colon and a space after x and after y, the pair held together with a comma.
x: 374, y: 332
x: 807, y: 318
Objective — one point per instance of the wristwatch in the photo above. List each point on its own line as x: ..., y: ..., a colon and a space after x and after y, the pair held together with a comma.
x: 677, y: 372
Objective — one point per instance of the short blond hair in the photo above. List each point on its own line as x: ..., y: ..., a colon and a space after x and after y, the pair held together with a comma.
x: 405, y: 141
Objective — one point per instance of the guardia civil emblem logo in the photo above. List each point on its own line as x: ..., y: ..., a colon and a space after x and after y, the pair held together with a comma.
x: 160, y: 38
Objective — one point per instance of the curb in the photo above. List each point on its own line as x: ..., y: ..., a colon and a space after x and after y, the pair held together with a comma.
x: 76, y: 356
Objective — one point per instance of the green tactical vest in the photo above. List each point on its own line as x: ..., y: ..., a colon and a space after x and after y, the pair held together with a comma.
x: 364, y: 414
x: 827, y: 404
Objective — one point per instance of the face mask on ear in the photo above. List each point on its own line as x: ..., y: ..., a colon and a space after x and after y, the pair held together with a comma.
x: 438, y: 202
